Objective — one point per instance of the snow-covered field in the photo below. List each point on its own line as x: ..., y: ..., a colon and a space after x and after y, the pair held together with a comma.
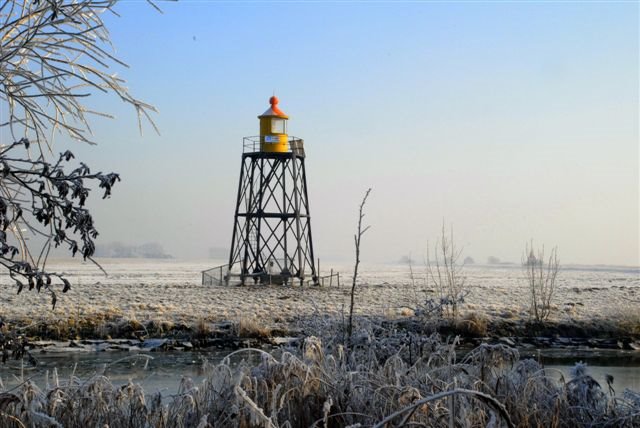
x: 171, y: 290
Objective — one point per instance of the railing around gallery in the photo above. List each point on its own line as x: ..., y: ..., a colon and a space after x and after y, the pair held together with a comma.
x: 252, y: 145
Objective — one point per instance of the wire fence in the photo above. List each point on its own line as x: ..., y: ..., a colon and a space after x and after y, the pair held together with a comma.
x: 215, y: 276
x: 221, y: 275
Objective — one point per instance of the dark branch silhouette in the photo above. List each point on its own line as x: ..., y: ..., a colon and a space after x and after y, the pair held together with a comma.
x: 54, y: 54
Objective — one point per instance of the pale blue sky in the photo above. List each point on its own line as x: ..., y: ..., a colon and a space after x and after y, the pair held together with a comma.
x: 511, y: 121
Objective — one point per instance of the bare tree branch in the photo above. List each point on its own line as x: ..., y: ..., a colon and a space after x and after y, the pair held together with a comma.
x: 54, y: 54
x: 357, y: 238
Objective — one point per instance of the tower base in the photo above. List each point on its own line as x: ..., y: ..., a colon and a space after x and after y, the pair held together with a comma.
x: 272, y: 241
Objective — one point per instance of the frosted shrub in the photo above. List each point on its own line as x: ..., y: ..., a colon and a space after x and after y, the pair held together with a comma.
x: 445, y: 273
x: 541, y: 280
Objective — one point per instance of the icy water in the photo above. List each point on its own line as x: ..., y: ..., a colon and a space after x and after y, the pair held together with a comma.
x: 624, y: 366
x: 163, y: 371
x: 624, y: 376
x: 155, y: 371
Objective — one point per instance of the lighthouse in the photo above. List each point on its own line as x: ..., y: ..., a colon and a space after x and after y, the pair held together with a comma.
x: 271, y: 240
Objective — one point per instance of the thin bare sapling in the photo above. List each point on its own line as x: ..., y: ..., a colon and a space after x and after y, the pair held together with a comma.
x: 357, y: 240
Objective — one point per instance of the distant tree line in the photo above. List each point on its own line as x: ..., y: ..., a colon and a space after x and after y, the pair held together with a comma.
x: 151, y: 250
x: 491, y: 260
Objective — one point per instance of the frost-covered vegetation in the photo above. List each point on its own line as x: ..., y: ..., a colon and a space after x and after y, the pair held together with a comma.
x: 392, y: 366
x: 542, y: 278
x: 323, y: 384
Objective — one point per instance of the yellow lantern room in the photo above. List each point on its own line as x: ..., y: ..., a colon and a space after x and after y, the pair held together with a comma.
x: 273, y: 129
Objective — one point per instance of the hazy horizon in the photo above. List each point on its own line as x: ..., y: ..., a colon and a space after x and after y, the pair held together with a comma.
x: 61, y: 254
x: 509, y: 121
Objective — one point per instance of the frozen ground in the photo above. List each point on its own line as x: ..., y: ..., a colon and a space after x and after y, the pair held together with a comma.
x: 170, y: 290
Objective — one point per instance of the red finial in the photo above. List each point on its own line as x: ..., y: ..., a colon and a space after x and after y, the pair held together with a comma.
x: 274, y: 110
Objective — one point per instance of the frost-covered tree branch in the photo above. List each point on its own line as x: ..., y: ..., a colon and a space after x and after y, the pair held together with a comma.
x: 54, y: 54
x: 46, y: 199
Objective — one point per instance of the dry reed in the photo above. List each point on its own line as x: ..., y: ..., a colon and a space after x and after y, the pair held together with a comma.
x: 422, y: 383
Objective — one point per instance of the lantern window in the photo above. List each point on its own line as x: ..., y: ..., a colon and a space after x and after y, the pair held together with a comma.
x: 278, y: 126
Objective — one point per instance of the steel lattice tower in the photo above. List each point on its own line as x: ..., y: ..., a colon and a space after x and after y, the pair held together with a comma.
x: 271, y: 239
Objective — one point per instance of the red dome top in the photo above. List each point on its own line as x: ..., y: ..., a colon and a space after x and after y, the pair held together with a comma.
x: 274, y: 110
